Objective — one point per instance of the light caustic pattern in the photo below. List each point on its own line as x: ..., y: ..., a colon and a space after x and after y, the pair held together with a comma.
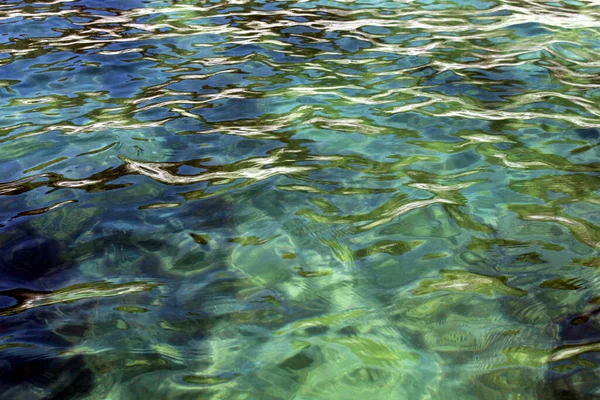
x: 299, y: 199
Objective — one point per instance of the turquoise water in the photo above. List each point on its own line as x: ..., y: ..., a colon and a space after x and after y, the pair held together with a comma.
x: 299, y: 199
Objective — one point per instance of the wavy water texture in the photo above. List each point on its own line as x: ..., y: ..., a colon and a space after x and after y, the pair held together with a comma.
x: 305, y: 199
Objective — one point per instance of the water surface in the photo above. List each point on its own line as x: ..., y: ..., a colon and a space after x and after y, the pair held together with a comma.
x: 299, y: 199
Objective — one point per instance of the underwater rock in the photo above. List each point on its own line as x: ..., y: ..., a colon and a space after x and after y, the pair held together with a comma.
x: 588, y: 133
x: 572, y: 369
x: 28, y: 257
x: 44, y: 376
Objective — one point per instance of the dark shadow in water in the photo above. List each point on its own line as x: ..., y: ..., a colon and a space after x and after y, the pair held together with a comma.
x: 30, y: 365
x: 576, y: 385
x: 588, y: 133
x: 27, y: 258
x: 576, y: 377
x: 37, y: 377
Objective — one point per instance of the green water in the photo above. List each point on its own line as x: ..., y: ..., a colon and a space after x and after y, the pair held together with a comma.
x: 299, y: 199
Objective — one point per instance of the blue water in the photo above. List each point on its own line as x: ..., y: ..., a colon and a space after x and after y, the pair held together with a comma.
x: 299, y: 199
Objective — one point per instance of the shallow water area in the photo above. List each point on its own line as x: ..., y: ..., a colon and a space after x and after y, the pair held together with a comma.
x: 299, y: 199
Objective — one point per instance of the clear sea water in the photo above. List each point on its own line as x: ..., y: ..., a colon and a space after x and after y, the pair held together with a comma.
x: 299, y: 200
